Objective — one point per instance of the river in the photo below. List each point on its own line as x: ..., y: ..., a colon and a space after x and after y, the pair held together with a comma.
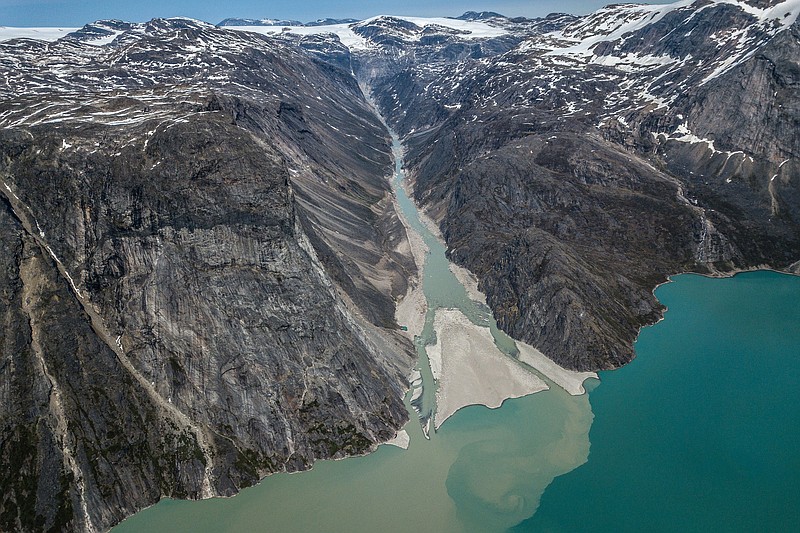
x: 698, y: 431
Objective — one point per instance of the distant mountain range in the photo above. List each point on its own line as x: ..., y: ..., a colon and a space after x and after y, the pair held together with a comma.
x: 277, y: 22
x: 469, y: 15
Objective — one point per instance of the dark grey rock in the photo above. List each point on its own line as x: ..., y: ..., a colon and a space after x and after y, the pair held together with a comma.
x: 565, y: 183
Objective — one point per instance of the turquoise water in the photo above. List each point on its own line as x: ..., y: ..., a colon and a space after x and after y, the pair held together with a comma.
x: 702, y: 431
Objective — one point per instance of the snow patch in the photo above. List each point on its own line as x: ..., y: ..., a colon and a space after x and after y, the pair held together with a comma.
x: 108, y: 39
x: 468, y: 29
x: 347, y: 36
x: 40, y: 34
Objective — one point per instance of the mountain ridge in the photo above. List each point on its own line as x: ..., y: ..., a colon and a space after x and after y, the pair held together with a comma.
x: 583, y: 85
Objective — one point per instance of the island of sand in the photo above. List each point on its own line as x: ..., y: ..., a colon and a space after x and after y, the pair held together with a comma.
x: 471, y: 370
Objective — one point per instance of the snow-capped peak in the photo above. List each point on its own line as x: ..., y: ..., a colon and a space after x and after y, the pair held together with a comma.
x: 615, y: 21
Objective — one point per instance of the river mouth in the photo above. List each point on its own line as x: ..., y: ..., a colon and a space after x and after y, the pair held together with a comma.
x: 464, y: 358
x: 483, y: 470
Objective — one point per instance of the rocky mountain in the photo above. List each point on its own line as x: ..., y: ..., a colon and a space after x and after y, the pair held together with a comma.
x: 482, y: 15
x: 573, y: 163
x: 278, y: 22
x: 200, y: 259
x: 259, y: 22
x: 575, y: 171
x: 329, y: 21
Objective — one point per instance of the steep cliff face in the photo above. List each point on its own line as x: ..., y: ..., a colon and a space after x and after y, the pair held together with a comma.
x: 743, y: 163
x: 579, y: 169
x: 200, y: 258
x: 84, y: 443
x: 567, y: 241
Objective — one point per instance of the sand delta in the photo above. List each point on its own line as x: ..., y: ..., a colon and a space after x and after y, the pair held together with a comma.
x: 465, y: 362
x: 471, y: 369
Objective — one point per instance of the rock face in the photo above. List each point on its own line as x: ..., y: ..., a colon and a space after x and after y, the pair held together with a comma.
x: 575, y: 171
x: 199, y: 256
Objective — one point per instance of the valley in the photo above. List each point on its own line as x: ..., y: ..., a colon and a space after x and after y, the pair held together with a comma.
x: 213, y: 274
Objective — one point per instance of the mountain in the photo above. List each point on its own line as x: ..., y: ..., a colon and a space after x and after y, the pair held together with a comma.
x: 278, y: 22
x: 577, y: 170
x: 483, y: 15
x: 259, y: 22
x: 200, y: 262
x: 202, y: 258
x: 330, y: 22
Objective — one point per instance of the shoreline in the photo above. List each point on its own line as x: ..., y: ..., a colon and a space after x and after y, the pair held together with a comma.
x: 411, y: 308
x: 470, y: 283
x: 711, y: 275
x: 569, y: 380
x: 401, y: 440
x: 372, y: 449
x: 719, y: 274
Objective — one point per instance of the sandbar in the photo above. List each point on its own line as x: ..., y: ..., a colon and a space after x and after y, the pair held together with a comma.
x: 569, y: 380
x: 411, y: 308
x: 471, y: 369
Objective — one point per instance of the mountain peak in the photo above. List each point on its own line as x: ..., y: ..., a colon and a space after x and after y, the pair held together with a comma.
x: 479, y: 15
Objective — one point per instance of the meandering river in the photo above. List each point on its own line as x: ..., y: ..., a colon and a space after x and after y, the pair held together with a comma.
x: 698, y: 433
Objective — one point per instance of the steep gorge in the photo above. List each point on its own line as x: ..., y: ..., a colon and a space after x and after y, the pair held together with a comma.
x: 202, y: 257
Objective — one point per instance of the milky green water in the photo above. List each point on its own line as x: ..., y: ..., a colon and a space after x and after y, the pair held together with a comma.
x: 442, y: 290
x: 699, y: 433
